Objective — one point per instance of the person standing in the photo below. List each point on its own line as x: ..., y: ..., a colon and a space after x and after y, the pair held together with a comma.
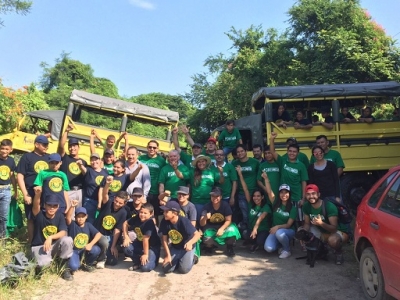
x: 258, y: 153
x: 229, y: 137
x: 272, y: 168
x: 184, y: 157
x: 28, y: 167
x: 155, y: 163
x: 229, y: 186
x: 301, y: 156
x: 142, y: 179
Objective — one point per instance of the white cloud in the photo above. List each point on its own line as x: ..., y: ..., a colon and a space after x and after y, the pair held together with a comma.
x: 143, y: 4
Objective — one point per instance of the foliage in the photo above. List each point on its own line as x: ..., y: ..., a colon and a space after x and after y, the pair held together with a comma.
x: 17, y: 6
x: 16, y: 102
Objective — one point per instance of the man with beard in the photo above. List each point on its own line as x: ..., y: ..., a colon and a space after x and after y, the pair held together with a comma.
x: 184, y: 157
x: 323, y: 223
x: 69, y: 165
x: 155, y: 163
x: 257, y: 153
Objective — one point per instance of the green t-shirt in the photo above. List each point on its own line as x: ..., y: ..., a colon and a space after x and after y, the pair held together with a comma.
x: 274, y: 174
x: 171, y: 181
x: 333, y: 156
x: 281, y: 216
x: 229, y: 139
x: 187, y: 159
x: 155, y: 165
x: 249, y: 171
x: 293, y: 174
x: 301, y: 157
x: 255, y: 212
x: 230, y: 176
x: 109, y: 168
x: 211, y: 156
x: 330, y: 210
x: 41, y: 177
x: 201, y: 190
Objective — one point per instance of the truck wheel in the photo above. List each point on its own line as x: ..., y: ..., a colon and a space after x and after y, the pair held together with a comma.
x: 354, y: 186
x: 372, y: 281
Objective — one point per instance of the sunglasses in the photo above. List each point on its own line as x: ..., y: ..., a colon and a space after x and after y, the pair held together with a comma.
x: 150, y: 147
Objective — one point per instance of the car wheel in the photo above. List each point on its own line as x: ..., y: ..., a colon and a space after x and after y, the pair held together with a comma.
x: 373, y: 283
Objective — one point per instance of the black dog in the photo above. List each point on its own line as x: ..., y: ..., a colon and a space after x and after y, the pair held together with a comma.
x: 315, y: 247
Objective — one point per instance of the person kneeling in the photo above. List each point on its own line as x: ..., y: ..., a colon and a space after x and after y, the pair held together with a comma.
x: 216, y: 221
x: 85, y: 236
x: 50, y: 238
x: 145, y: 249
x: 183, y: 235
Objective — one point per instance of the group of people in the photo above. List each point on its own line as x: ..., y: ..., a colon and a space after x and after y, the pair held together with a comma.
x: 88, y: 213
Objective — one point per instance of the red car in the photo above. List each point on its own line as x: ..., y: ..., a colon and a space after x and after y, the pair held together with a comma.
x: 377, y: 238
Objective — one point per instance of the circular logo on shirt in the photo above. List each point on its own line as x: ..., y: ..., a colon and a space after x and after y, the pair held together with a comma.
x: 109, y: 222
x: 49, y: 230
x: 175, y: 236
x: 56, y: 184
x: 99, y: 179
x: 74, y: 168
x: 4, y: 172
x: 139, y: 234
x: 115, y: 186
x: 81, y: 240
x: 217, y: 218
x: 40, y: 166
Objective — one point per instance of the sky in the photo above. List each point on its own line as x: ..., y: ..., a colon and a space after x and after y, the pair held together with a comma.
x: 143, y: 46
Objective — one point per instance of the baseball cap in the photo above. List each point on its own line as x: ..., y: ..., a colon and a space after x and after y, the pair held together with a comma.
x: 198, y: 145
x: 42, y: 139
x: 216, y: 191
x: 211, y: 139
x: 95, y: 155
x: 284, y: 187
x: 183, y: 190
x: 55, y: 157
x: 171, y: 205
x: 80, y: 210
x: 138, y: 191
x: 73, y: 141
x: 291, y: 139
x: 312, y: 187
x: 109, y: 151
x: 51, y: 200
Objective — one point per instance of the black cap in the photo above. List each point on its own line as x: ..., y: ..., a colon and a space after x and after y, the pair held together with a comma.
x: 73, y: 141
x: 171, y: 205
x: 216, y: 191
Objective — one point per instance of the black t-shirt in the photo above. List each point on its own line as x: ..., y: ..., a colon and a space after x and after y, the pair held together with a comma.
x: 53, y: 185
x: 44, y: 227
x: 132, y: 211
x: 179, y: 233
x: 329, y: 119
x: 92, y: 181
x: 71, y: 168
x: 285, y: 116
x: 109, y: 219
x: 120, y: 183
x: 144, y: 228
x: 30, y: 165
x: 6, y: 166
x: 81, y: 235
x: 217, y: 215
x: 303, y: 122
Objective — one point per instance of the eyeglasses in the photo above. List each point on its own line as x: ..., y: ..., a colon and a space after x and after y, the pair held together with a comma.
x: 150, y: 147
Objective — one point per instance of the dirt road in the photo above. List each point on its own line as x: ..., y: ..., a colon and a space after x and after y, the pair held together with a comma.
x: 246, y: 276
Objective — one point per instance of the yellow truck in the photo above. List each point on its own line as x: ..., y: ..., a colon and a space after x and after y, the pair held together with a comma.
x: 118, y: 111
x: 368, y: 149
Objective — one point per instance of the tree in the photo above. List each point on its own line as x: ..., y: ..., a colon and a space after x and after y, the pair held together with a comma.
x: 17, y: 6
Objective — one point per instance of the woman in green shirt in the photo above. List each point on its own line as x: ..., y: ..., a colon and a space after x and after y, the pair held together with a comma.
x: 259, y: 216
x: 283, y: 217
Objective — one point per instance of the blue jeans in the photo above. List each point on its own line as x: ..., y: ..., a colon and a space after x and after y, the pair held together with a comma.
x: 244, y: 208
x: 180, y: 258
x: 105, y: 243
x: 90, y: 256
x: 91, y: 208
x: 5, y: 199
x: 227, y: 150
x: 199, y: 209
x: 136, y: 252
x: 281, y: 237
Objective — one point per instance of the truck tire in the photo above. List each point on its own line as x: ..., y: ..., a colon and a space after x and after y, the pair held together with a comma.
x: 354, y: 186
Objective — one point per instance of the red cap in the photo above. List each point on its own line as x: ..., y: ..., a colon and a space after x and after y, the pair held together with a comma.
x: 312, y: 187
x: 211, y: 139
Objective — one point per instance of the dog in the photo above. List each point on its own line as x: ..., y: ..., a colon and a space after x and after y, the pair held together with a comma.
x: 315, y: 247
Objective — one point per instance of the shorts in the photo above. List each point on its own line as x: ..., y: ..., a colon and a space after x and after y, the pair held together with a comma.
x: 324, y: 236
x: 300, y: 215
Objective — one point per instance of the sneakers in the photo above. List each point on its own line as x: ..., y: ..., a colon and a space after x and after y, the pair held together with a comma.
x: 285, y: 254
x: 339, y: 258
x: 229, y: 251
x: 254, y: 248
x: 101, y: 264
x: 88, y: 268
x: 134, y: 268
x: 280, y: 251
x: 66, y: 275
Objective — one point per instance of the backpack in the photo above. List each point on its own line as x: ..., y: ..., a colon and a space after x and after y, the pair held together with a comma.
x: 344, y: 216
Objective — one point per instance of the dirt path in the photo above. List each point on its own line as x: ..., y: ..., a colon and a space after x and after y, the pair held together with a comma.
x: 246, y: 276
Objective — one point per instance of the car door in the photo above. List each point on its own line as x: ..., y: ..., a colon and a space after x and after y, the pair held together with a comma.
x: 387, y: 226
